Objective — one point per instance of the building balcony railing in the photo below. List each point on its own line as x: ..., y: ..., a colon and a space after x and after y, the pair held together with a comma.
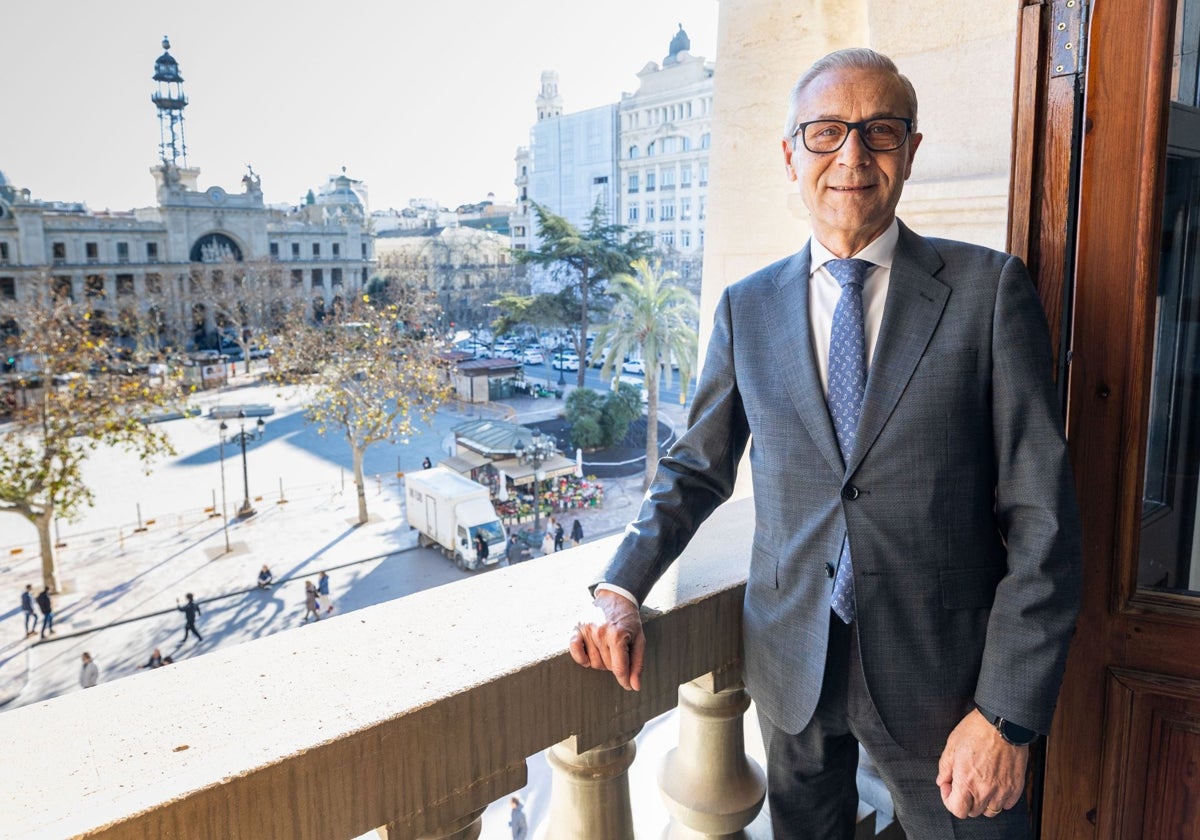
x: 412, y: 715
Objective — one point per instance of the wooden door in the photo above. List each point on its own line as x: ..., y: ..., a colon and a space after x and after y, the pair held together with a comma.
x: 1106, y: 207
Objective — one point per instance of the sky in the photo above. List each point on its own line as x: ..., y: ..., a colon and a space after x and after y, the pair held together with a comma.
x: 426, y: 99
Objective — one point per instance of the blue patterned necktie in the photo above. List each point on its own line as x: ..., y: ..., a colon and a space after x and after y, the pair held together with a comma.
x: 847, y: 383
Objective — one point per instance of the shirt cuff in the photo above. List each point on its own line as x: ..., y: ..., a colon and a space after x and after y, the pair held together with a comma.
x: 624, y: 593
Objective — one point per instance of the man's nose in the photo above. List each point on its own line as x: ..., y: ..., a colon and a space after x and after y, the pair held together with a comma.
x: 854, y: 151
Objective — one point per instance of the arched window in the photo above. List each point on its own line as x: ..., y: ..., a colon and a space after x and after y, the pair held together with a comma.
x: 634, y: 152
x: 215, y: 248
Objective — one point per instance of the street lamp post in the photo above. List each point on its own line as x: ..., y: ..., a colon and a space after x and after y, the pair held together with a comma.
x: 224, y: 518
x: 243, y: 437
x: 541, y: 448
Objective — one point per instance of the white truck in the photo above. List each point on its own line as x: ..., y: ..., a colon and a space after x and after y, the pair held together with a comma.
x: 448, y: 510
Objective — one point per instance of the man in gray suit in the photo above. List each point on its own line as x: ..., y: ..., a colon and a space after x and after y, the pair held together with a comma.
x: 915, y: 571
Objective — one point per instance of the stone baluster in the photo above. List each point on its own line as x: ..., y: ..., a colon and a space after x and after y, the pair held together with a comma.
x: 711, y: 787
x: 465, y: 828
x: 590, y: 795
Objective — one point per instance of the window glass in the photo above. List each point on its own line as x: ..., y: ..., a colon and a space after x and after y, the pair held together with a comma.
x: 1185, y: 68
x: 1169, y: 557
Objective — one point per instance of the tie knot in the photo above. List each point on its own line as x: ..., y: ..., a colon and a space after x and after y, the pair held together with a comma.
x: 849, y: 271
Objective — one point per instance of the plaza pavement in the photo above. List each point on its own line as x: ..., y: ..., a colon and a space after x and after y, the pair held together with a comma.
x: 122, y: 583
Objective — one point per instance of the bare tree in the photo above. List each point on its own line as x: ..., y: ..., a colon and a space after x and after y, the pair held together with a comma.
x: 67, y: 397
x: 373, y: 371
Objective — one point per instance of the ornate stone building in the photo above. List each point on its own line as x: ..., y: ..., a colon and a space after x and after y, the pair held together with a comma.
x: 644, y: 159
x: 665, y: 137
x: 148, y: 272
x: 466, y: 267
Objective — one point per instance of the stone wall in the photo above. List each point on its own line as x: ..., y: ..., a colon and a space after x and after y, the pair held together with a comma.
x: 962, y: 67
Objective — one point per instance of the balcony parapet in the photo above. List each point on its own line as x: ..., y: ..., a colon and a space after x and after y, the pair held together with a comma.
x: 413, y: 714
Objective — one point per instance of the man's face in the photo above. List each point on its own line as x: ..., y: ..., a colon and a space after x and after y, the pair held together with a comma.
x: 852, y: 193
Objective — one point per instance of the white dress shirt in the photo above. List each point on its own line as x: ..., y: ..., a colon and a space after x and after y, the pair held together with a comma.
x: 823, y: 294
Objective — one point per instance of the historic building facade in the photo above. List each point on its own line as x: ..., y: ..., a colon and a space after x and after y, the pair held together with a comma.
x: 466, y: 267
x: 665, y: 137
x: 652, y: 176
x: 148, y: 271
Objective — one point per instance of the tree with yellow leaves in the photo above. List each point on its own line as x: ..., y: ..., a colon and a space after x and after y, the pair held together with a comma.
x: 65, y: 396
x: 372, y: 369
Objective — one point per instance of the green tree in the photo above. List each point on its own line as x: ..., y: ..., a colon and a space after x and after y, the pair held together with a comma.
x: 65, y: 400
x: 582, y: 262
x: 656, y: 319
x: 372, y: 369
x: 621, y: 407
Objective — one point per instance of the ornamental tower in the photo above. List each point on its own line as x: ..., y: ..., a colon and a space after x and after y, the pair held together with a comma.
x: 168, y: 97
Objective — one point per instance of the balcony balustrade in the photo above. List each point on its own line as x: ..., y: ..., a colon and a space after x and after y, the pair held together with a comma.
x: 411, y: 716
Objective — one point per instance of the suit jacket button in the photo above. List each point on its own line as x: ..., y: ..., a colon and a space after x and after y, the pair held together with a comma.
x: 829, y: 570
x: 850, y: 492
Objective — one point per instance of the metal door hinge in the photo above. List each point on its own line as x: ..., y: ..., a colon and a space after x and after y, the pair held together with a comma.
x: 1068, y: 28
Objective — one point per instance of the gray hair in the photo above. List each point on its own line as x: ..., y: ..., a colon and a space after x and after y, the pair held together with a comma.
x: 854, y: 58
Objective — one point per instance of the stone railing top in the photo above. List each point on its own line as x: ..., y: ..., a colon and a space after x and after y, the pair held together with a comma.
x: 412, y: 712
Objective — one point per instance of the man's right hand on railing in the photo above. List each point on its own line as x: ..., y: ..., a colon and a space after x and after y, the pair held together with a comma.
x: 611, y: 639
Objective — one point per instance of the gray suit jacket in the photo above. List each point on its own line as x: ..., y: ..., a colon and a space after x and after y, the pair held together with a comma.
x: 957, y: 499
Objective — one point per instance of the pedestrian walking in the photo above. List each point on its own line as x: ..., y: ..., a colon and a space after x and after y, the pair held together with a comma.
x: 513, y: 549
x: 89, y: 674
x: 43, y: 602
x: 311, y: 608
x: 576, y: 533
x: 31, y: 621
x: 190, y: 610
x: 548, y: 542
x: 481, y: 549
x: 323, y: 591
x: 517, y: 822
x: 558, y: 536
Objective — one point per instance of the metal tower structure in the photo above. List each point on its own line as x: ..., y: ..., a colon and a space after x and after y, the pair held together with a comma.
x: 170, y: 101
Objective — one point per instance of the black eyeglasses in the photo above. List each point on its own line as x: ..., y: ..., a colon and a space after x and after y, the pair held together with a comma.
x: 882, y: 134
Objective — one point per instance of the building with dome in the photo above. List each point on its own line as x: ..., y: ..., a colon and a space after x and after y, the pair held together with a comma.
x: 665, y: 137
x: 147, y: 271
x: 644, y: 159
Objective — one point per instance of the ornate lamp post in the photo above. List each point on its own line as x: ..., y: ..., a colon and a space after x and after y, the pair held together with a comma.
x: 243, y: 437
x: 541, y: 448
x: 224, y: 518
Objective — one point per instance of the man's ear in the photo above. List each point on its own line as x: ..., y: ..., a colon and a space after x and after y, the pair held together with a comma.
x: 788, y: 168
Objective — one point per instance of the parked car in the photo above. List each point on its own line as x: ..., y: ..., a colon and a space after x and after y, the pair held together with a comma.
x: 565, y: 361
x: 636, y: 366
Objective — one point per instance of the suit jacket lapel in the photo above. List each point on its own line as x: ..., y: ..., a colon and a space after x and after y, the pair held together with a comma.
x: 785, y: 314
x: 915, y: 302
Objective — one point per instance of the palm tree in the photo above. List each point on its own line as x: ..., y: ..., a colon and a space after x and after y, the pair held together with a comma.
x: 654, y: 316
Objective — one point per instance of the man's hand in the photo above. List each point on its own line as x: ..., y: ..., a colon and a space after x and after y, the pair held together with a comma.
x: 611, y: 639
x: 980, y: 773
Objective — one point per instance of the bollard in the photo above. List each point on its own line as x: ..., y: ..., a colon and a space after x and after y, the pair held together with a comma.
x: 282, y: 498
x: 140, y: 528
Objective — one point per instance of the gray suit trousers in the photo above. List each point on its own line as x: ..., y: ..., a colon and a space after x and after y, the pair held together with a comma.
x: 811, y: 789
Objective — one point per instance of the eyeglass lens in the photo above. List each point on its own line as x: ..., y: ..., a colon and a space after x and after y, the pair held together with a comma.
x: 880, y: 135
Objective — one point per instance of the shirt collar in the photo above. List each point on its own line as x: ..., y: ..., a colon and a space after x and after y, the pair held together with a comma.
x: 880, y: 252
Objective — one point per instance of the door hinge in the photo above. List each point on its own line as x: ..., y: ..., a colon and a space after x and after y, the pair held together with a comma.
x: 1068, y: 28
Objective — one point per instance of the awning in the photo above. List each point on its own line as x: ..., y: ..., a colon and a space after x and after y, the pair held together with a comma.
x: 523, y: 473
x: 463, y: 462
